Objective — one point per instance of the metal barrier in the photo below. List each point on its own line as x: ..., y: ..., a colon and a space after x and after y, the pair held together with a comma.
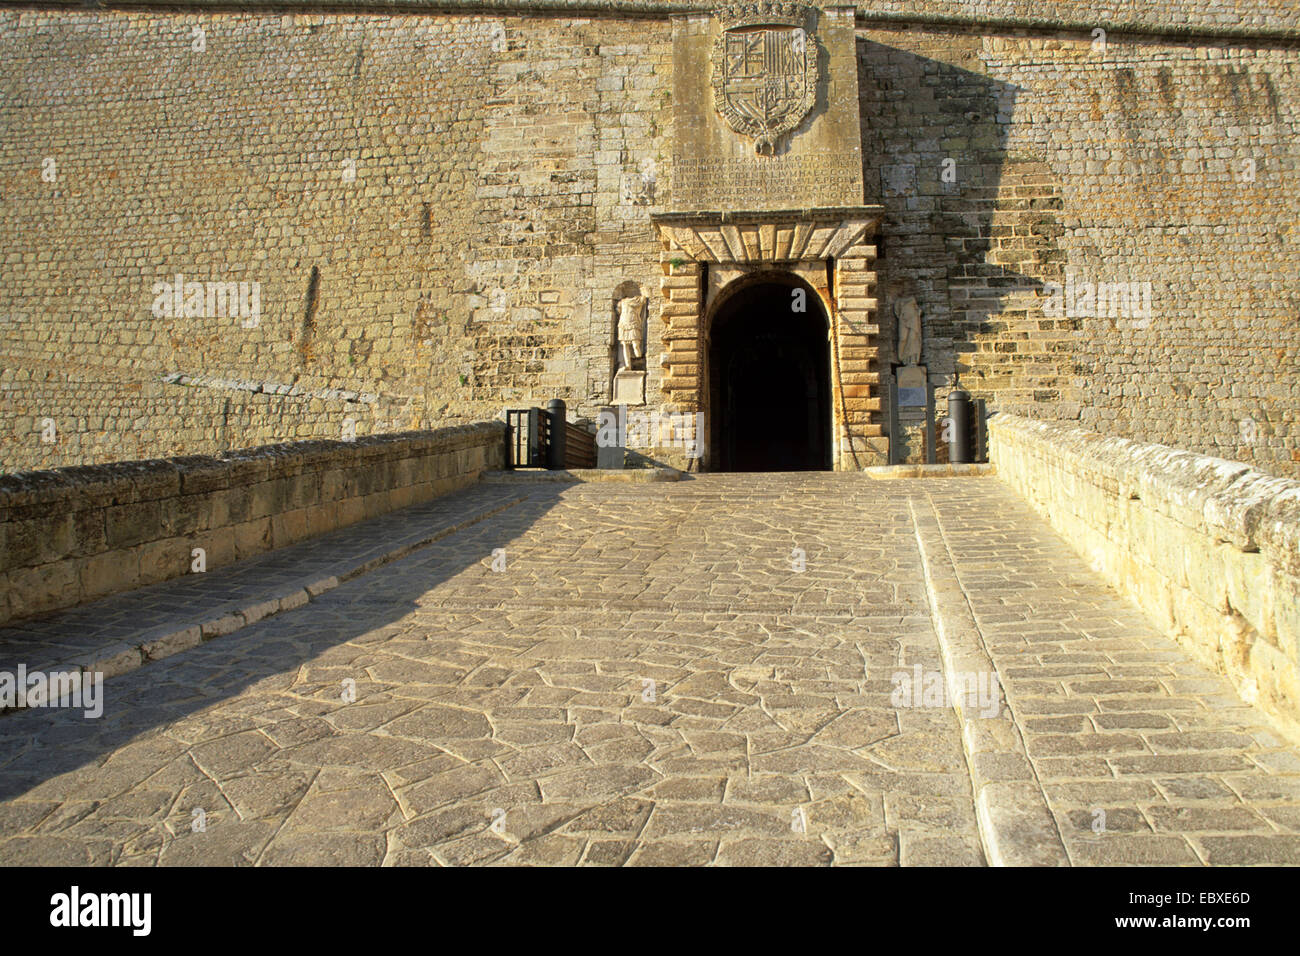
x: 526, y: 434
x: 579, y: 447
x: 542, y: 438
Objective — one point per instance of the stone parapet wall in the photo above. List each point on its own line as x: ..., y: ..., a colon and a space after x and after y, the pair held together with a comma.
x: 1210, y: 549
x: 76, y: 534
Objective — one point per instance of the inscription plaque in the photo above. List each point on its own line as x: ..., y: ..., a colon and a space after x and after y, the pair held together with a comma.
x: 911, y: 386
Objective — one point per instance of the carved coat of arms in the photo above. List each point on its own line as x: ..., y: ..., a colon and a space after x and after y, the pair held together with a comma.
x: 764, y: 70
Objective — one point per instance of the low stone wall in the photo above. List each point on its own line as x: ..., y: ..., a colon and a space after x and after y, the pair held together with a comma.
x: 76, y: 534
x: 1210, y: 549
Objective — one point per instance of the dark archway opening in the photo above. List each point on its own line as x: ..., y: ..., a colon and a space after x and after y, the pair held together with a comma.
x: 769, y: 375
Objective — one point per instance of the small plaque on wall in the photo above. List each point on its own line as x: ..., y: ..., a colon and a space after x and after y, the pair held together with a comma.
x: 911, y: 386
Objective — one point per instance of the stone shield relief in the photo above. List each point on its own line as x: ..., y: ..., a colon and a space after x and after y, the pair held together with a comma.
x: 765, y: 71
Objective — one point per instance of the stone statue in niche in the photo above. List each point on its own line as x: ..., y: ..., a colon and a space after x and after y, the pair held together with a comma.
x: 908, y: 315
x: 629, y: 381
x: 631, y: 330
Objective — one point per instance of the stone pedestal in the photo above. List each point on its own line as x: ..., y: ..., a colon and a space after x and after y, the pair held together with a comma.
x: 629, y: 387
x: 611, y: 434
x: 911, y: 388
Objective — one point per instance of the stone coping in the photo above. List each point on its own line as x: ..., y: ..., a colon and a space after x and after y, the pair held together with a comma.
x: 1225, y: 500
x: 886, y: 472
x: 1016, y: 826
x: 181, y: 613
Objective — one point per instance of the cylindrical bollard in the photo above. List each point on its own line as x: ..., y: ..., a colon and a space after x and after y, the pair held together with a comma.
x: 961, y: 437
x: 558, y: 414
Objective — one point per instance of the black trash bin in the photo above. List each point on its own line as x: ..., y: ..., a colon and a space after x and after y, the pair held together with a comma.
x: 555, y: 444
x: 961, y: 427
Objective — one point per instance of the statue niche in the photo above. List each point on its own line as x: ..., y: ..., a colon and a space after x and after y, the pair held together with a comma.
x: 908, y: 315
x: 630, y: 308
x: 911, y: 377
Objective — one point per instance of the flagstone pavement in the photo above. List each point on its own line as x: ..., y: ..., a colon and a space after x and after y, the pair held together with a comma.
x: 699, y: 672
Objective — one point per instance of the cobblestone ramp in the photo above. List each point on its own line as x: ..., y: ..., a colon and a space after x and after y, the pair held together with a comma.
x: 650, y: 679
x: 1143, y: 755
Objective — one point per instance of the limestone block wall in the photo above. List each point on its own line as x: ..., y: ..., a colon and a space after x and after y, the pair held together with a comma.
x: 57, y: 419
x: 438, y: 210
x: 439, y: 207
x: 1210, y: 549
x: 1011, y: 160
x: 76, y: 534
x: 1174, y: 16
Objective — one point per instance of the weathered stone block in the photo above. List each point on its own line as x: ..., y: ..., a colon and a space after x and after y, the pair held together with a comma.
x: 172, y: 643
x: 218, y: 545
x: 289, y: 527
x: 238, y: 504
x: 268, y: 498
x: 1286, y: 616
x: 163, y: 560
x: 200, y: 475
x: 322, y: 518
x: 218, y: 627
x: 333, y: 485
x: 252, y: 537
x: 350, y: 511
x: 40, y: 588
x: 1204, y: 571
x: 107, y: 573
x: 37, y: 541
x: 184, y: 514
x: 1249, y: 582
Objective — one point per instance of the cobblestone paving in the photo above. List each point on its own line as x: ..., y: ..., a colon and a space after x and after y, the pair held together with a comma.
x: 643, y: 676
x: 1143, y: 755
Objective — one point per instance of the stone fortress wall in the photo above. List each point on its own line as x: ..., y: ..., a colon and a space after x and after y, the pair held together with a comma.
x: 440, y: 208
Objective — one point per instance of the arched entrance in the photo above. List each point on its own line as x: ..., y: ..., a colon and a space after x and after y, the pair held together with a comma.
x: 769, y: 378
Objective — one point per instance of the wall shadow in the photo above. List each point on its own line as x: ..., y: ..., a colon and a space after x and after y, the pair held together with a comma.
x: 969, y: 229
x: 38, y: 745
